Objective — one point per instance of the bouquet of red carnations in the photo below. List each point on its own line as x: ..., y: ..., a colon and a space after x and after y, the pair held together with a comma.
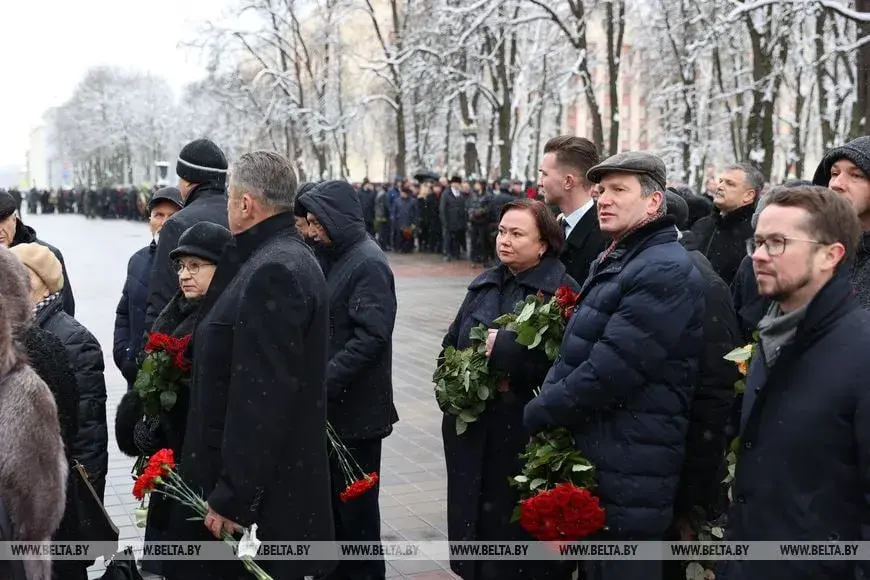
x: 160, y: 477
x: 357, y: 482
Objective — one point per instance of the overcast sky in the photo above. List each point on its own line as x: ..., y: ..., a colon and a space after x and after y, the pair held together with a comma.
x: 47, y: 45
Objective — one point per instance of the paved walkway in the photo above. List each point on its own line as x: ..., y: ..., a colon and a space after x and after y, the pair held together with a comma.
x: 413, y: 488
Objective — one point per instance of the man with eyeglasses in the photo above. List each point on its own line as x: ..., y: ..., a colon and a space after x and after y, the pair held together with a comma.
x: 846, y: 170
x: 803, y: 462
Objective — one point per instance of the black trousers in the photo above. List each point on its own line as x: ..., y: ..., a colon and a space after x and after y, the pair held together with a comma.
x: 358, y: 520
x: 454, y: 243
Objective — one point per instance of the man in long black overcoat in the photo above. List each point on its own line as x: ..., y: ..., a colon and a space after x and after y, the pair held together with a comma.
x: 255, y: 442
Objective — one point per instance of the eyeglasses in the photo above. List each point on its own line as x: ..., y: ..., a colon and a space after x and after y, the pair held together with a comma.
x: 193, y: 267
x: 774, y: 245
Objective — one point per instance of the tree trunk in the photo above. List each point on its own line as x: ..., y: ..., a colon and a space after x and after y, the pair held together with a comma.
x: 861, y: 110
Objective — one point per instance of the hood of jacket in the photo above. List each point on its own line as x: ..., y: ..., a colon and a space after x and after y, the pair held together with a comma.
x: 338, y: 209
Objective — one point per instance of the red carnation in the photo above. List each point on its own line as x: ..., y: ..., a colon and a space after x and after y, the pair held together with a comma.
x: 163, y: 461
x: 359, y: 487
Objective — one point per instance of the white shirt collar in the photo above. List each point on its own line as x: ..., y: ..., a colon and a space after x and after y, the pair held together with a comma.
x: 574, y: 217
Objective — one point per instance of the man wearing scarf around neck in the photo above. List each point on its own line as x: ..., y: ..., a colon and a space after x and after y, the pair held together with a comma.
x: 629, y: 360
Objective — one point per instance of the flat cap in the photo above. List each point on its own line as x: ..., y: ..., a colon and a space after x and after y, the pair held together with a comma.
x: 7, y: 205
x: 631, y: 162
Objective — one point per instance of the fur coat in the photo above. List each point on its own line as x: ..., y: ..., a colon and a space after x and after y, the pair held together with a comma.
x: 31, y: 447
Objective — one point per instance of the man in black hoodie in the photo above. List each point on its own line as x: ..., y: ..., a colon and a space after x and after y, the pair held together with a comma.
x: 846, y: 170
x: 202, y: 172
x: 362, y: 308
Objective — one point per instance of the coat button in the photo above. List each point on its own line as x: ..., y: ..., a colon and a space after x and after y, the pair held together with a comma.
x: 740, y: 499
x: 834, y: 537
x: 757, y: 389
x: 747, y: 445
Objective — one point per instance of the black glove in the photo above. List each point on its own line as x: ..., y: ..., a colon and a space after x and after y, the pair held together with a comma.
x: 147, y: 436
x: 129, y: 370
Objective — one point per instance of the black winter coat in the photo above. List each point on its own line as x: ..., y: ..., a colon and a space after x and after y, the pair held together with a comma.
x: 713, y: 399
x: 722, y: 239
x: 750, y: 307
x: 480, y: 461
x: 27, y: 235
x: 453, y: 211
x: 802, y: 467
x: 130, y: 313
x: 362, y: 314
x: 624, y: 378
x: 86, y: 358
x: 255, y: 441
x: 583, y: 246
x: 48, y: 358
x: 206, y: 203
x: 178, y: 319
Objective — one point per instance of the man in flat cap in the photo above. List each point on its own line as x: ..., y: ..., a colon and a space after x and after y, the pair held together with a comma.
x: 13, y: 232
x: 629, y: 360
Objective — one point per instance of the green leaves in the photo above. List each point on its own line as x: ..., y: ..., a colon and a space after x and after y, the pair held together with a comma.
x: 167, y: 399
x: 158, y: 383
x: 463, y: 382
x: 551, y: 458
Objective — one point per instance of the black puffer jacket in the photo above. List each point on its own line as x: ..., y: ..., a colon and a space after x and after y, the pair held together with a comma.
x: 130, y: 313
x: 206, y: 203
x: 27, y: 235
x: 86, y: 358
x: 362, y: 314
x: 624, y: 377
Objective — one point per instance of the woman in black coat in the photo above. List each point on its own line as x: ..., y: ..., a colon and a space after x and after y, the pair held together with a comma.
x: 199, y: 249
x: 480, y: 500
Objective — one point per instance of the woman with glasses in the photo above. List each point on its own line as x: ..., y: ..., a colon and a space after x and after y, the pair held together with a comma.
x: 195, y: 261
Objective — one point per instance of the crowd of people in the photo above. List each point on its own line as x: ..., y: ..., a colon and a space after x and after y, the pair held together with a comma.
x: 285, y: 294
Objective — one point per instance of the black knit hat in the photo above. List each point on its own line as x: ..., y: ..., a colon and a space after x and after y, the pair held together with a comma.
x: 856, y: 151
x: 170, y: 194
x: 205, y: 240
x: 7, y: 205
x: 202, y: 161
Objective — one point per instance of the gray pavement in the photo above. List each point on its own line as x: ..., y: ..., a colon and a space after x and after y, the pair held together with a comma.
x: 413, y: 480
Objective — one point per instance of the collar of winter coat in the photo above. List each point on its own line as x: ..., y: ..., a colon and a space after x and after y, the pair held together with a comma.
x: 204, y: 189
x: 834, y: 301
x: 23, y: 234
x: 48, y: 310
x: 176, y: 313
x: 249, y: 240
x: 658, y: 231
x: 546, y: 276
x: 337, y: 207
x: 739, y: 215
